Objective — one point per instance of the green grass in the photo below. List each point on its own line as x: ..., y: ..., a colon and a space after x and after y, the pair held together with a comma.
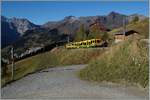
x: 55, y: 57
x: 125, y: 62
x: 30, y: 65
x: 79, y: 56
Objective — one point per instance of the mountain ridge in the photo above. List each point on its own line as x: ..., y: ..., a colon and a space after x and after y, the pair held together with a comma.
x: 18, y: 27
x: 13, y: 28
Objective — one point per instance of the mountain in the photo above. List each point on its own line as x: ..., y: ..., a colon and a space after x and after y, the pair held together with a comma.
x: 141, y: 17
x: 8, y: 33
x: 23, y: 25
x: 13, y: 28
x: 70, y: 24
x: 39, y: 38
x: 53, y: 32
x: 23, y: 34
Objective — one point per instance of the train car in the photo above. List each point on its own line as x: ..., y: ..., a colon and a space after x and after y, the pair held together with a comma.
x: 84, y: 44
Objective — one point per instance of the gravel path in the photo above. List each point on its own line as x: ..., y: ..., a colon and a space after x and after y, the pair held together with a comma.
x: 62, y: 82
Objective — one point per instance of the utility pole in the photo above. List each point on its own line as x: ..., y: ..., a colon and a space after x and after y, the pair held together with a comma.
x: 12, y: 58
x: 68, y: 38
x: 124, y: 26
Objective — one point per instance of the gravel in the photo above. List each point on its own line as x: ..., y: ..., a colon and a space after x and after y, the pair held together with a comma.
x: 63, y: 83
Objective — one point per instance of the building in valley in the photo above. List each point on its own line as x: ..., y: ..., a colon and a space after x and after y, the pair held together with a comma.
x: 129, y: 34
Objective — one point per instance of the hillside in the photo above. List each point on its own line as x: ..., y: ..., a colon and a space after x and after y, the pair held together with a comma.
x: 125, y: 62
x: 55, y: 57
x: 140, y: 26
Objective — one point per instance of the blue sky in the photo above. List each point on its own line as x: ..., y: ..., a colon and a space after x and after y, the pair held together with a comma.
x: 40, y: 12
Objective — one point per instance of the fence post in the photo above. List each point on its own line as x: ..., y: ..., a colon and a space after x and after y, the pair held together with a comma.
x: 12, y: 58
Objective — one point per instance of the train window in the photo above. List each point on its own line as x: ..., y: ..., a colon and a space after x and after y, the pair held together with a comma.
x: 98, y: 41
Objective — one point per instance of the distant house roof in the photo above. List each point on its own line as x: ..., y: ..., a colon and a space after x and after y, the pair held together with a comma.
x: 130, y: 32
x: 119, y: 34
x: 126, y: 33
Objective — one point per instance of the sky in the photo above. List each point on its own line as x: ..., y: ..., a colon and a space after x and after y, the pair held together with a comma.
x: 40, y: 12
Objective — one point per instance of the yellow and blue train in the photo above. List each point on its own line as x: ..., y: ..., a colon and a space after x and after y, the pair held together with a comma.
x: 85, y: 44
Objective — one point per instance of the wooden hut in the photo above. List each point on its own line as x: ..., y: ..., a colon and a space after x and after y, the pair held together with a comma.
x: 121, y: 37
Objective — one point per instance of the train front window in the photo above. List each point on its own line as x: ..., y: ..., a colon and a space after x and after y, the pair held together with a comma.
x: 98, y: 41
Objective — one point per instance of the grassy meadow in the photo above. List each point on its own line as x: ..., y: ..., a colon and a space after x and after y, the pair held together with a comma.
x: 125, y: 62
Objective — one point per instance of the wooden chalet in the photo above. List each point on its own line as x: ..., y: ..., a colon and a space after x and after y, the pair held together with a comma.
x: 121, y: 37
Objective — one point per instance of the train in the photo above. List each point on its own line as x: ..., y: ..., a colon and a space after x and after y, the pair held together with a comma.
x: 87, y: 44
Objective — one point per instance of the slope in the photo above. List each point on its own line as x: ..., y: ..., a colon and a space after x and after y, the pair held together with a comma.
x: 125, y: 62
x: 55, y: 57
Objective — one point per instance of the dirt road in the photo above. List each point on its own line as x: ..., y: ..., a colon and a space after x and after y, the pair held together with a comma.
x: 63, y: 83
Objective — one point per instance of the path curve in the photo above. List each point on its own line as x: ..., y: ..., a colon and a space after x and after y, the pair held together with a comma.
x: 62, y: 82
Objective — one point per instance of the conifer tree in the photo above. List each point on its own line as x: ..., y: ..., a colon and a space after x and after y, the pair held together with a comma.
x: 81, y: 34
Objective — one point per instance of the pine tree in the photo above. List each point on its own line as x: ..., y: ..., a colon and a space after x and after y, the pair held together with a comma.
x: 104, y: 36
x: 81, y: 34
x: 94, y: 32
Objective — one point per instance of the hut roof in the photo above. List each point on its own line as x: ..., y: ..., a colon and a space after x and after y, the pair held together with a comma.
x: 126, y: 33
